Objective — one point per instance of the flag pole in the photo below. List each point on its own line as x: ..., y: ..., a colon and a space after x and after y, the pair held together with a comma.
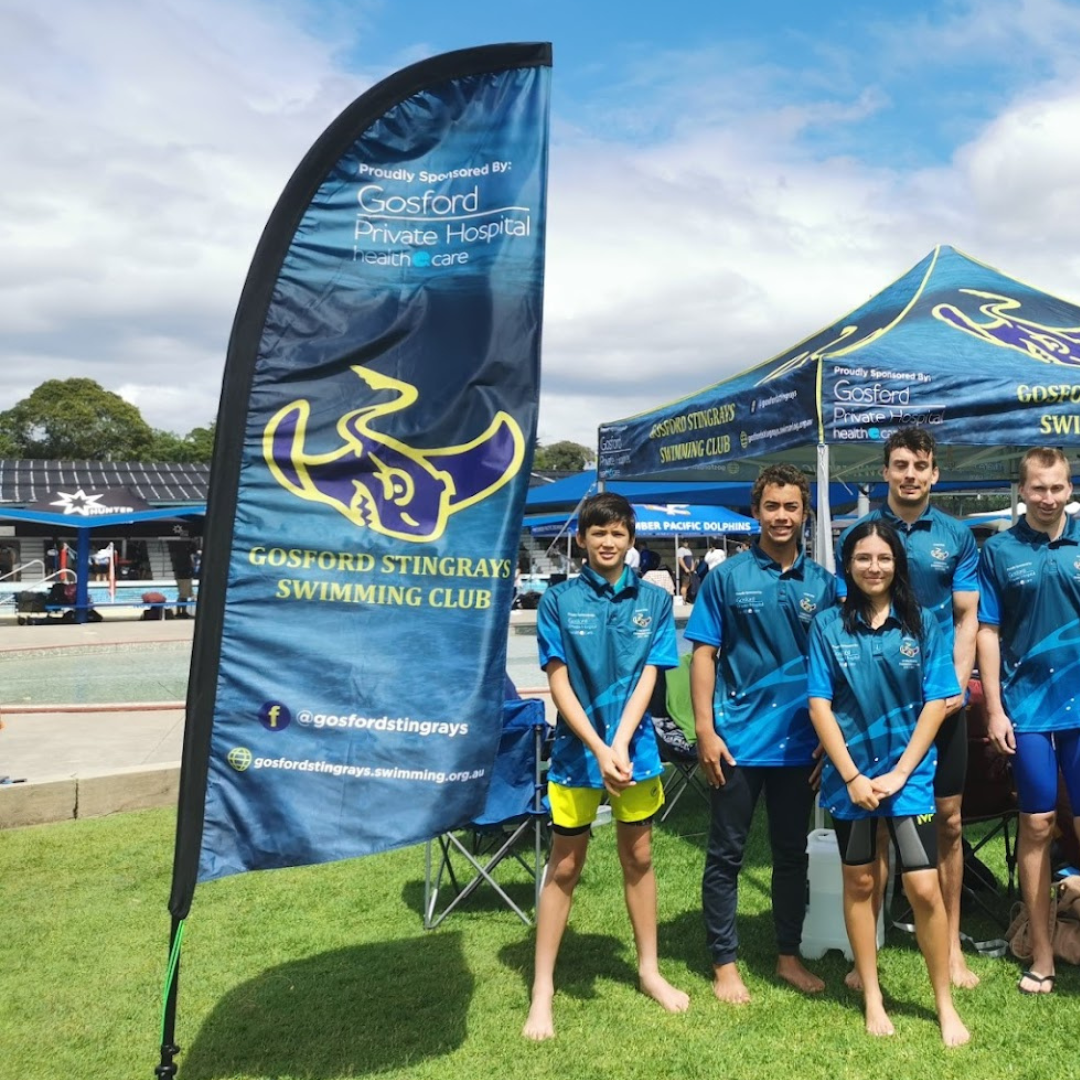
x: 167, y: 1068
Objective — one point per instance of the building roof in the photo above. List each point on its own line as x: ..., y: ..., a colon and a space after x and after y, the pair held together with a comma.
x: 163, y: 483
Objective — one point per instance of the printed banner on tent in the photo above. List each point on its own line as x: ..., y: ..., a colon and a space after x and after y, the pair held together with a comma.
x: 979, y: 359
x: 369, y: 479
x: 665, y: 519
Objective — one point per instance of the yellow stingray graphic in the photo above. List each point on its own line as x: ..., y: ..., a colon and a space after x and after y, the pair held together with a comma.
x: 1005, y: 327
x: 379, y: 482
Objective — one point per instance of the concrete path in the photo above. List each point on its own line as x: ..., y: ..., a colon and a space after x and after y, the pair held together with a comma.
x: 80, y: 761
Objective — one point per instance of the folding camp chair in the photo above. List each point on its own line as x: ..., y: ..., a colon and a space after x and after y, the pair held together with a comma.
x: 989, y: 799
x: 673, y: 721
x: 989, y: 796
x: 516, y: 809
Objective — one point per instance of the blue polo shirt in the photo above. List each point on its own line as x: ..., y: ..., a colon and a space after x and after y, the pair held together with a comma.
x: 1030, y: 589
x: 942, y: 559
x: 878, y: 681
x: 605, y: 636
x: 758, y: 615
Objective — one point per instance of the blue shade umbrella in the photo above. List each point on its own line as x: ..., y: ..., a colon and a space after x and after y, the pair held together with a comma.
x: 661, y: 519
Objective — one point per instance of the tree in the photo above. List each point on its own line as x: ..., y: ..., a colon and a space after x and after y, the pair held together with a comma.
x: 196, y: 446
x: 75, y: 419
x: 201, y: 441
x: 563, y: 456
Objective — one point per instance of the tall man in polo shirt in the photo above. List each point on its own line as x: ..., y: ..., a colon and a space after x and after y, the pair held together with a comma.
x: 750, y: 630
x: 943, y: 562
x: 1029, y: 659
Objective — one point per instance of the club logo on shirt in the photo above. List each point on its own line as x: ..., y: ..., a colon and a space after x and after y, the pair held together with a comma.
x: 939, y: 552
x: 808, y: 604
x: 909, y: 653
x: 642, y: 619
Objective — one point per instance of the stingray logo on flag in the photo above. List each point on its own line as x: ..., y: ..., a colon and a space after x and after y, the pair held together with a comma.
x: 378, y: 481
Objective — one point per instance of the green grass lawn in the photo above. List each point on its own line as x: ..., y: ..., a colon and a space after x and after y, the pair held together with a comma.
x: 325, y: 972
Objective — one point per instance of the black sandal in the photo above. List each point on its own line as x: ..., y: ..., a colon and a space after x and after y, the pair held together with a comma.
x: 1042, y: 980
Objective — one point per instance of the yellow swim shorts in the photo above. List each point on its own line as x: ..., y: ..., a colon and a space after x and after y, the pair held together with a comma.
x: 574, y: 808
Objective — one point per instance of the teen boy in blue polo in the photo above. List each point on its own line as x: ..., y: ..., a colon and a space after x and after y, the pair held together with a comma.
x: 602, y: 636
x: 748, y: 680
x: 1029, y: 659
x: 943, y: 562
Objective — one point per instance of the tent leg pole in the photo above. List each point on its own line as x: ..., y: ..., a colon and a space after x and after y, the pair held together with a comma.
x: 823, y: 547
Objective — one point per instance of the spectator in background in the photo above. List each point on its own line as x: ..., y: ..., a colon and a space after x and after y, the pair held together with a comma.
x: 715, y: 553
x: 102, y: 560
x: 685, y: 559
x: 633, y: 558
x: 181, y: 555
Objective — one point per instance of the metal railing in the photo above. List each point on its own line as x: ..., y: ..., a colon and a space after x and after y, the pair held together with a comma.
x: 63, y: 575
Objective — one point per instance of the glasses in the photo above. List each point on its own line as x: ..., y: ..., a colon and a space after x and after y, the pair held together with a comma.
x: 865, y: 561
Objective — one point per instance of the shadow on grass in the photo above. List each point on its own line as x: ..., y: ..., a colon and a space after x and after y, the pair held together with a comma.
x: 354, y: 1011
x: 583, y: 959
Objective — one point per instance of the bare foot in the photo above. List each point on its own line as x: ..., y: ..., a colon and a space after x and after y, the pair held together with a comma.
x: 877, y: 1020
x: 728, y: 985
x: 953, y: 1032
x: 540, y: 1024
x: 960, y: 974
x: 852, y: 980
x: 791, y: 970
x: 662, y: 992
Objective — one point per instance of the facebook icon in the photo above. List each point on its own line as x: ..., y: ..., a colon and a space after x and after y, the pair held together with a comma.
x: 274, y: 716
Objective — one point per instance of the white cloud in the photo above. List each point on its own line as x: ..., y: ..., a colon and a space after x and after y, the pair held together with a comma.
x: 145, y: 145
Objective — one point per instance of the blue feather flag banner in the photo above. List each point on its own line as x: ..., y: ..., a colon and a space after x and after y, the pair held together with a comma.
x: 374, y: 439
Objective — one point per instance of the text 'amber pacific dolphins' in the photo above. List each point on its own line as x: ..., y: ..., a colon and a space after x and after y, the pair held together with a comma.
x: 379, y: 482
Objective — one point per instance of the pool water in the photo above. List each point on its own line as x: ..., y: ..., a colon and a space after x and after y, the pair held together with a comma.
x: 158, y: 671
x: 96, y: 674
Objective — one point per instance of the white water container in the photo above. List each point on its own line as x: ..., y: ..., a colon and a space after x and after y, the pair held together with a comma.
x: 823, y: 928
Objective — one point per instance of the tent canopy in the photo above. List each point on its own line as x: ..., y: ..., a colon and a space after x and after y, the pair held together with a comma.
x: 989, y: 365
x: 670, y: 519
x: 565, y: 494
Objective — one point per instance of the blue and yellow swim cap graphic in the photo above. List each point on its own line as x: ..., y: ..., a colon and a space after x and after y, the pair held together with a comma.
x: 381, y: 483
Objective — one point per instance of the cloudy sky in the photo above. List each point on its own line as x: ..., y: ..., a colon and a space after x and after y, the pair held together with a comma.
x: 725, y: 178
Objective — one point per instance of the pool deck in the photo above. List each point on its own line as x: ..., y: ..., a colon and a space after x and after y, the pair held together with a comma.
x: 84, y: 761
x: 78, y: 762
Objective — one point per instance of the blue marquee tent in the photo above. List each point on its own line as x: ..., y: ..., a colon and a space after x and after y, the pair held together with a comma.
x: 661, y: 519
x: 989, y: 365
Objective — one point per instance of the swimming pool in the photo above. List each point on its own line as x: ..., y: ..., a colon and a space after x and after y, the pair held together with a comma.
x: 158, y: 671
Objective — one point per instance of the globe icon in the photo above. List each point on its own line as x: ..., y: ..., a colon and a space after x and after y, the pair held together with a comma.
x: 239, y: 758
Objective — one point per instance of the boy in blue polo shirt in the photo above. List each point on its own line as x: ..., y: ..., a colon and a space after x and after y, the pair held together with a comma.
x: 748, y: 679
x: 601, y: 637
x: 1029, y: 659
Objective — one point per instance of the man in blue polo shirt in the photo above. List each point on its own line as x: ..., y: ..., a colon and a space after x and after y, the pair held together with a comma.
x: 602, y: 636
x: 1029, y: 659
x: 748, y: 680
x: 943, y: 562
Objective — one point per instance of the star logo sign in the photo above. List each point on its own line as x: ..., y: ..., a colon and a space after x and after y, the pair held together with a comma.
x: 78, y: 502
